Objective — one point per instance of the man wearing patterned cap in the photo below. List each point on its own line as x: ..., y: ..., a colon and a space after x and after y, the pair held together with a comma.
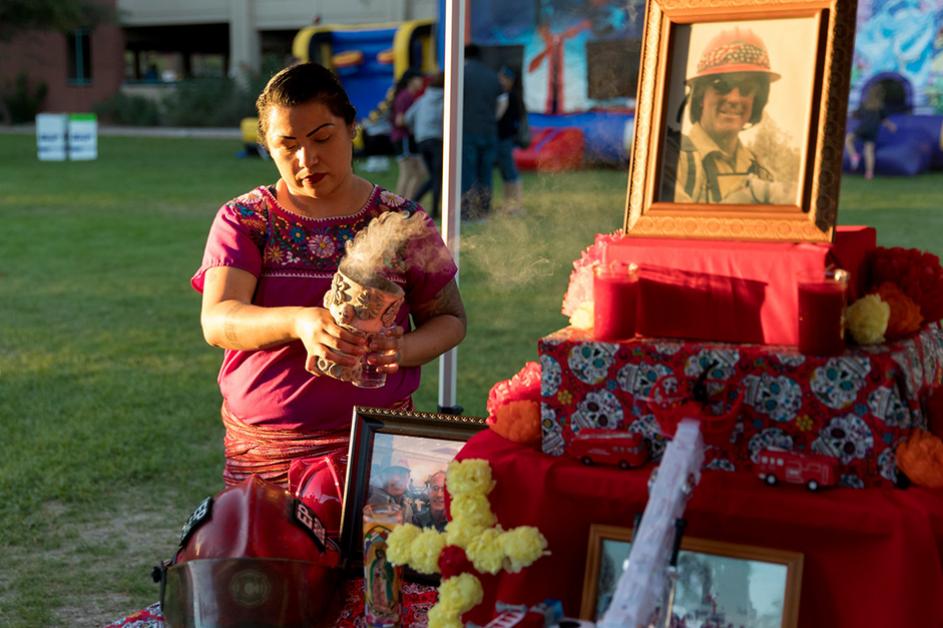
x: 729, y: 92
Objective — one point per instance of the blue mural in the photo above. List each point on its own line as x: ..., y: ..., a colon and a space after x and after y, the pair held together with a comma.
x: 903, y: 37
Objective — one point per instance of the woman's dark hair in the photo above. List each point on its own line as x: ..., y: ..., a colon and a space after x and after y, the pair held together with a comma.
x: 700, y: 87
x: 408, y: 75
x: 301, y: 83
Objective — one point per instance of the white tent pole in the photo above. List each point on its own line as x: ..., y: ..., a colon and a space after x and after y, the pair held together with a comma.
x: 451, y: 173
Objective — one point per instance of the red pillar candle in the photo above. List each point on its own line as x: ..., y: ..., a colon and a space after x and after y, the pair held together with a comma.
x: 822, y: 312
x: 615, y: 290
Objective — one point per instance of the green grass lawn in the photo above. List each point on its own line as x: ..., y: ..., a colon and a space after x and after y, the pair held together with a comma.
x: 108, y: 399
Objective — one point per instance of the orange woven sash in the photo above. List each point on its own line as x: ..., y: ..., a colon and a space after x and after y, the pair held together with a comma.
x: 268, y: 451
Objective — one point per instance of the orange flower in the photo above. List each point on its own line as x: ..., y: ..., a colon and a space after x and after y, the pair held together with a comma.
x: 921, y: 458
x: 905, y: 314
x: 518, y: 421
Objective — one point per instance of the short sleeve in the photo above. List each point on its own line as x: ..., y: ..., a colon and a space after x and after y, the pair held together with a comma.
x: 236, y: 238
x: 430, y: 264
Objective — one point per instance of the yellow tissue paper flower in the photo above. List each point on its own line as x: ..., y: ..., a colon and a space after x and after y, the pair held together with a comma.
x: 459, y: 533
x: 399, y: 542
x: 425, y: 551
x: 469, y: 476
x: 473, y: 509
x: 522, y: 545
x: 460, y: 593
x: 485, y: 551
x: 440, y: 617
x: 582, y: 317
x: 866, y: 319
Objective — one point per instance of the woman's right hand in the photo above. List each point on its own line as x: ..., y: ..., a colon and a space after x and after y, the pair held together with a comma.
x: 323, y: 337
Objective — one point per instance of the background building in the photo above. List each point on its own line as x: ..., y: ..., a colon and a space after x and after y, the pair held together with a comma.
x: 154, y: 44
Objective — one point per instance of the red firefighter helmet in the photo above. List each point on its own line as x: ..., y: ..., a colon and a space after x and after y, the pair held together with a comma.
x: 251, y: 556
x: 319, y: 483
x: 736, y: 50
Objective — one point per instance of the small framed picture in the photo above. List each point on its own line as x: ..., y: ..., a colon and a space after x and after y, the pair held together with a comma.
x: 399, y: 458
x: 740, y: 119
x: 718, y: 584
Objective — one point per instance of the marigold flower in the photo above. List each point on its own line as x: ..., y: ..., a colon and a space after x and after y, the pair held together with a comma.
x: 866, y: 319
x: 523, y: 545
x: 399, y: 543
x: 425, y: 549
x: 518, y: 421
x: 440, y: 617
x: 460, y: 593
x: 474, y: 509
x: 905, y: 317
x: 461, y: 533
x: 485, y: 551
x: 469, y: 476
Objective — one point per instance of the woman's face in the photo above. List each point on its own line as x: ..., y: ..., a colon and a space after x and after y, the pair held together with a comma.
x: 311, y: 147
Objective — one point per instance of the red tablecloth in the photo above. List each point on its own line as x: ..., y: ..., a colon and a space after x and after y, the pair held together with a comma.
x: 854, y: 407
x: 872, y: 557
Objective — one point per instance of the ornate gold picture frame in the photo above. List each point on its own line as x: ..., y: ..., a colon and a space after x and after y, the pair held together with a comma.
x: 740, y: 119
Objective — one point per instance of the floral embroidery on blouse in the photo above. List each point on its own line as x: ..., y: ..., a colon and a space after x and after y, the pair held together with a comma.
x: 297, y: 244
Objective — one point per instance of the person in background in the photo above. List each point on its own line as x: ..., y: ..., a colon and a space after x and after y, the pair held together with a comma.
x: 390, y: 490
x: 434, y: 516
x: 871, y: 116
x: 482, y: 94
x: 412, y: 172
x: 269, y: 259
x: 424, y: 119
x: 508, y: 127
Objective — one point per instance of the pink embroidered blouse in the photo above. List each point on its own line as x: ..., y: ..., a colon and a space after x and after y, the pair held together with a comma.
x: 294, y: 258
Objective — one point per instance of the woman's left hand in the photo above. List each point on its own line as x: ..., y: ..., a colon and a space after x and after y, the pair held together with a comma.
x: 385, y: 349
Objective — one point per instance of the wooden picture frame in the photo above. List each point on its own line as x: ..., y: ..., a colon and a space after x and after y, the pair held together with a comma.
x: 381, y: 439
x: 784, y: 186
x: 770, y: 577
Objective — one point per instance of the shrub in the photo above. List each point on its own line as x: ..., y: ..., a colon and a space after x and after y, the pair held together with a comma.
x: 22, y: 100
x: 130, y: 110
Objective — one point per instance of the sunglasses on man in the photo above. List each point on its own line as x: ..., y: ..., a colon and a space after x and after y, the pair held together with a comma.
x: 724, y: 85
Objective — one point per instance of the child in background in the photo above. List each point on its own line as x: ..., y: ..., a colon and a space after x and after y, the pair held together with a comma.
x: 871, y: 117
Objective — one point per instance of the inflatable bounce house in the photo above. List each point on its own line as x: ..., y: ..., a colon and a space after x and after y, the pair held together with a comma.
x: 578, y: 63
x: 369, y: 58
x: 899, y: 48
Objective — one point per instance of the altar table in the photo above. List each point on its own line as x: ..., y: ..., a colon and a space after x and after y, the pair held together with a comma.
x: 872, y: 557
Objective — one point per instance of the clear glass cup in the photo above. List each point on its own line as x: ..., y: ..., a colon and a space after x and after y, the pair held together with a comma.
x: 370, y: 375
x: 822, y: 299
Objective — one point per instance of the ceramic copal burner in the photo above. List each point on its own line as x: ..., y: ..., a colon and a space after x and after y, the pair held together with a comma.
x: 375, y: 302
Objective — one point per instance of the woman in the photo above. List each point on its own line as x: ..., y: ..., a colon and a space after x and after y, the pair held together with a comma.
x: 269, y: 259
x: 413, y: 179
x: 424, y: 119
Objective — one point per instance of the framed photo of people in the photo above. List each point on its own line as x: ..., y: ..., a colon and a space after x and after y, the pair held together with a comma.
x: 718, y: 584
x: 399, y: 458
x: 740, y: 119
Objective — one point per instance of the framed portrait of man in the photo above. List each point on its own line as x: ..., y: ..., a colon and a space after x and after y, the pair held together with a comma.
x: 740, y: 120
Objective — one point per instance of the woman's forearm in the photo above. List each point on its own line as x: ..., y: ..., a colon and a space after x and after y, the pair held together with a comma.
x: 431, y: 339
x: 232, y: 324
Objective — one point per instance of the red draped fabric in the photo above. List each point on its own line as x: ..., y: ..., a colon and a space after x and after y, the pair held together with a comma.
x: 872, y: 557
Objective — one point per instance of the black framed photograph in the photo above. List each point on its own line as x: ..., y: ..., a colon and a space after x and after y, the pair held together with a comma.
x: 718, y: 584
x: 399, y: 458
